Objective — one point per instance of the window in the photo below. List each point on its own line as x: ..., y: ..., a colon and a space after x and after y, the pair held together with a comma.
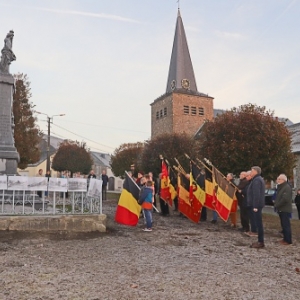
x: 201, y: 111
x: 157, y: 115
x: 165, y: 112
x: 161, y: 113
x: 193, y: 110
x: 186, y: 109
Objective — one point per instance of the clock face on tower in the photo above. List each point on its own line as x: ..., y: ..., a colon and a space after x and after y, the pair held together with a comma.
x: 173, y: 85
x: 185, y: 83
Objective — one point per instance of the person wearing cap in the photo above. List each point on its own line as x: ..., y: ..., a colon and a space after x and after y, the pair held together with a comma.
x: 283, y: 204
x: 256, y: 202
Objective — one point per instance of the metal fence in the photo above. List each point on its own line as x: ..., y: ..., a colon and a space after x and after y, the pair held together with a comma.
x: 28, y: 196
x: 57, y: 203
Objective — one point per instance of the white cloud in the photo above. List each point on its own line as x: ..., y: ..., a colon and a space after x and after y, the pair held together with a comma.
x: 88, y: 14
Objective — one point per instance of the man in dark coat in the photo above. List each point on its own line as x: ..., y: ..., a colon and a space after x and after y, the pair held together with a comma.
x: 256, y: 202
x: 283, y: 204
x: 240, y: 198
x: 104, y: 178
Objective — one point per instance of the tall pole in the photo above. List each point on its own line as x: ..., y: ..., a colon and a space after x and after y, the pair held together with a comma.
x: 48, y: 146
x: 48, y: 140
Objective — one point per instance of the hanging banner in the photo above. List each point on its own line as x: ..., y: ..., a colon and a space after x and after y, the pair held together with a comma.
x: 77, y: 184
x: 37, y: 183
x: 3, y: 182
x: 58, y: 184
x: 95, y: 188
x: 17, y: 183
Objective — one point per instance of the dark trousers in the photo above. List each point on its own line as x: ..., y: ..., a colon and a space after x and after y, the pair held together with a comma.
x: 251, y: 219
x: 286, y: 226
x: 203, y: 214
x: 244, y: 217
x: 164, y: 207
x: 103, y: 192
x: 298, y: 208
x: 176, y: 203
x: 259, y: 224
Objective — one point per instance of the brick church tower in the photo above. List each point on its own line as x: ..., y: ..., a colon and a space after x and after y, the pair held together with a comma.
x: 182, y: 108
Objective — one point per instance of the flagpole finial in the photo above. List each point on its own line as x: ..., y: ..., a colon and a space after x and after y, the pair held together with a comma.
x: 178, y: 1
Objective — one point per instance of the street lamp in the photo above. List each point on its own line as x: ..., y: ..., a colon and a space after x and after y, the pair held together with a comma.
x: 49, y: 121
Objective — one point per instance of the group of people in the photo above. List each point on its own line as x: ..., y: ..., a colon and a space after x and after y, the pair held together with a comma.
x: 251, y: 200
x: 250, y: 194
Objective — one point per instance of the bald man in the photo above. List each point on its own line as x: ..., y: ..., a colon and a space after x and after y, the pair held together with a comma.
x: 283, y: 204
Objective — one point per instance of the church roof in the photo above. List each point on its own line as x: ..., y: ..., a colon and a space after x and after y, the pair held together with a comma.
x: 181, y: 72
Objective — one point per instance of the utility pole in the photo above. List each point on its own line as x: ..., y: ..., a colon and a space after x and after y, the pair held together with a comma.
x: 48, y: 146
x: 49, y: 121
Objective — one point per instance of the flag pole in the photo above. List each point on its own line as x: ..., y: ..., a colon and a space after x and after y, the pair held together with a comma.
x: 209, y: 163
x: 180, y: 167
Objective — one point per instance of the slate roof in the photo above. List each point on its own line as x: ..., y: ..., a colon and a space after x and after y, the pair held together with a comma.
x: 101, y: 159
x: 181, y: 64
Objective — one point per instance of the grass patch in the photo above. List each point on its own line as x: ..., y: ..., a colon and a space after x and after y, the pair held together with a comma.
x: 113, y: 196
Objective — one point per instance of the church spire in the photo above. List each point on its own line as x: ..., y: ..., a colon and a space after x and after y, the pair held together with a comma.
x: 181, y: 73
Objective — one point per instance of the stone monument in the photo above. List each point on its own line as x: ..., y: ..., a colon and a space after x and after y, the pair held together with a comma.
x: 9, y: 157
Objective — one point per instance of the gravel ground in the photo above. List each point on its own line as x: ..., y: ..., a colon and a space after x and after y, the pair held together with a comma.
x: 177, y: 260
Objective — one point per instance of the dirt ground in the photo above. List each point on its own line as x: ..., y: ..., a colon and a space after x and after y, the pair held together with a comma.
x: 177, y: 260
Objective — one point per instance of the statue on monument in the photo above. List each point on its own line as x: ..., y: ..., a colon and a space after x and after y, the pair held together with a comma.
x: 7, y: 54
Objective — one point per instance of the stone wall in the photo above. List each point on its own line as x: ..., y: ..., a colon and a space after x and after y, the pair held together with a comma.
x: 56, y: 223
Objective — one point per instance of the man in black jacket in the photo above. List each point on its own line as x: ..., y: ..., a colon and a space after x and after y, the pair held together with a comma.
x: 283, y: 204
x: 256, y: 202
x: 104, y: 178
x: 240, y: 197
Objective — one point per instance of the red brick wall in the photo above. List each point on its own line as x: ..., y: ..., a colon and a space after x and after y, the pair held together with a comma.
x: 176, y: 121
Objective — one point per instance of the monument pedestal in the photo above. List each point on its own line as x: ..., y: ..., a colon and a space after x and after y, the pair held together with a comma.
x: 9, y: 157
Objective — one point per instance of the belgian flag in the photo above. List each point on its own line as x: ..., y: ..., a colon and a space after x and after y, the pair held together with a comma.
x: 197, y: 194
x: 184, y: 202
x: 209, y: 190
x: 128, y: 209
x: 167, y: 190
x: 225, y: 195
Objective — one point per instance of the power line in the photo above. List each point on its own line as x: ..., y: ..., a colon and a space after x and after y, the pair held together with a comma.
x: 89, y: 124
x: 83, y: 137
x: 65, y: 138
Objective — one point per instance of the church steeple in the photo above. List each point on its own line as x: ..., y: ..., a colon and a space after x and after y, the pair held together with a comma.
x: 181, y: 73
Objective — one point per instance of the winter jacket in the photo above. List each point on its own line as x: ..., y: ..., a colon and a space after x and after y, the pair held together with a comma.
x: 283, y: 201
x: 240, y: 197
x: 145, y: 198
x: 256, y: 192
x: 297, y: 199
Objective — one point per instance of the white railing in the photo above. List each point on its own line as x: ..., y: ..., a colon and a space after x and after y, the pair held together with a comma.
x: 20, y: 195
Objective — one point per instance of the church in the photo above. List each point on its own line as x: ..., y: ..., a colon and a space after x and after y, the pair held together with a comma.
x: 182, y: 108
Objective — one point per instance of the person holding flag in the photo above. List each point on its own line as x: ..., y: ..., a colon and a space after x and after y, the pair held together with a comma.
x: 145, y: 200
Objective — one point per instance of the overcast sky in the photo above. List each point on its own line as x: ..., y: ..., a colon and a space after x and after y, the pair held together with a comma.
x: 103, y: 62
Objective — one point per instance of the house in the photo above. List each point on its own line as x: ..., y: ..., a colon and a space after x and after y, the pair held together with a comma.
x: 101, y: 161
x: 295, y: 131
